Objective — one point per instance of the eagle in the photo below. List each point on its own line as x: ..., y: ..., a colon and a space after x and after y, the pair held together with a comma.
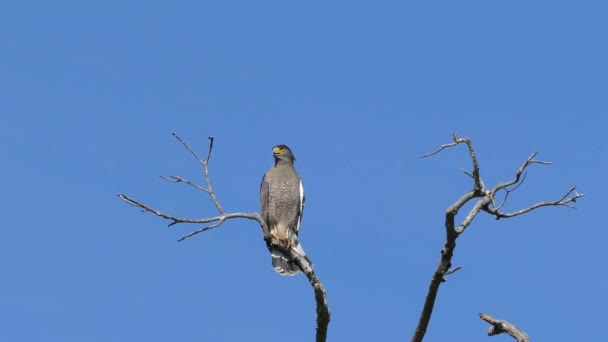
x: 282, y: 205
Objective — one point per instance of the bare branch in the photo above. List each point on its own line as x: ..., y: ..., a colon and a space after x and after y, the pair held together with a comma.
x: 508, y: 191
x: 564, y: 201
x: 439, y: 149
x: 481, y: 203
x: 167, y: 216
x: 485, y: 200
x: 202, y: 162
x: 467, y: 173
x: 323, y: 312
x: 443, y: 267
x: 252, y: 216
x: 453, y: 270
x: 500, y: 326
x: 476, y: 177
x: 201, y: 230
x: 467, y: 141
x: 178, y: 179
x: 209, y: 187
x: 205, y: 164
x: 521, y: 169
x: 454, y: 208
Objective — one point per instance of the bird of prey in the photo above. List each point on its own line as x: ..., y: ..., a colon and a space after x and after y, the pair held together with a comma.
x: 282, y: 206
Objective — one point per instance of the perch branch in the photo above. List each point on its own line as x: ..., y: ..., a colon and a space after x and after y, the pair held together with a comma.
x: 485, y: 198
x: 323, y: 312
x: 500, y: 326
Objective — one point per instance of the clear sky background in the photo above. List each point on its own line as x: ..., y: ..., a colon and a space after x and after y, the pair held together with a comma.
x: 91, y: 91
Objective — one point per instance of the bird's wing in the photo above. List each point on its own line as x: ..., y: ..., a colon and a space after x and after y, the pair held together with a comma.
x: 264, y: 196
x: 301, y: 209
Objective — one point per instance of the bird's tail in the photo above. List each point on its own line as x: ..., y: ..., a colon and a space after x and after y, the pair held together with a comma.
x: 282, y: 264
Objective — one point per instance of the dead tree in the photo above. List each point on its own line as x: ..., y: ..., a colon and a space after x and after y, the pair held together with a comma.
x: 485, y: 200
x: 323, y: 313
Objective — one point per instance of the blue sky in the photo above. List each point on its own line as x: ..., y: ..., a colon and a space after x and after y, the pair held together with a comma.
x: 91, y: 91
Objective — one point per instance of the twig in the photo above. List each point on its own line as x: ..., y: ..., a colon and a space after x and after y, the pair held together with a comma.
x: 500, y: 326
x: 467, y: 173
x: 208, y: 179
x: 508, y: 191
x: 453, y: 270
x: 485, y: 198
x: 439, y: 149
x: 203, y: 163
x: 323, y: 312
x: 178, y: 179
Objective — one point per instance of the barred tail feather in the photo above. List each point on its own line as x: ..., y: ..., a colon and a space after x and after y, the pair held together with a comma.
x: 283, y: 265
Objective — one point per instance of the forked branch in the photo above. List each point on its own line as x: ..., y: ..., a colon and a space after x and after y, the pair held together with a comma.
x: 484, y: 201
x: 323, y: 313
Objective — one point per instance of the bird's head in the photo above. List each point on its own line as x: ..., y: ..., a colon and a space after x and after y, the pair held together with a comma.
x: 282, y: 152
